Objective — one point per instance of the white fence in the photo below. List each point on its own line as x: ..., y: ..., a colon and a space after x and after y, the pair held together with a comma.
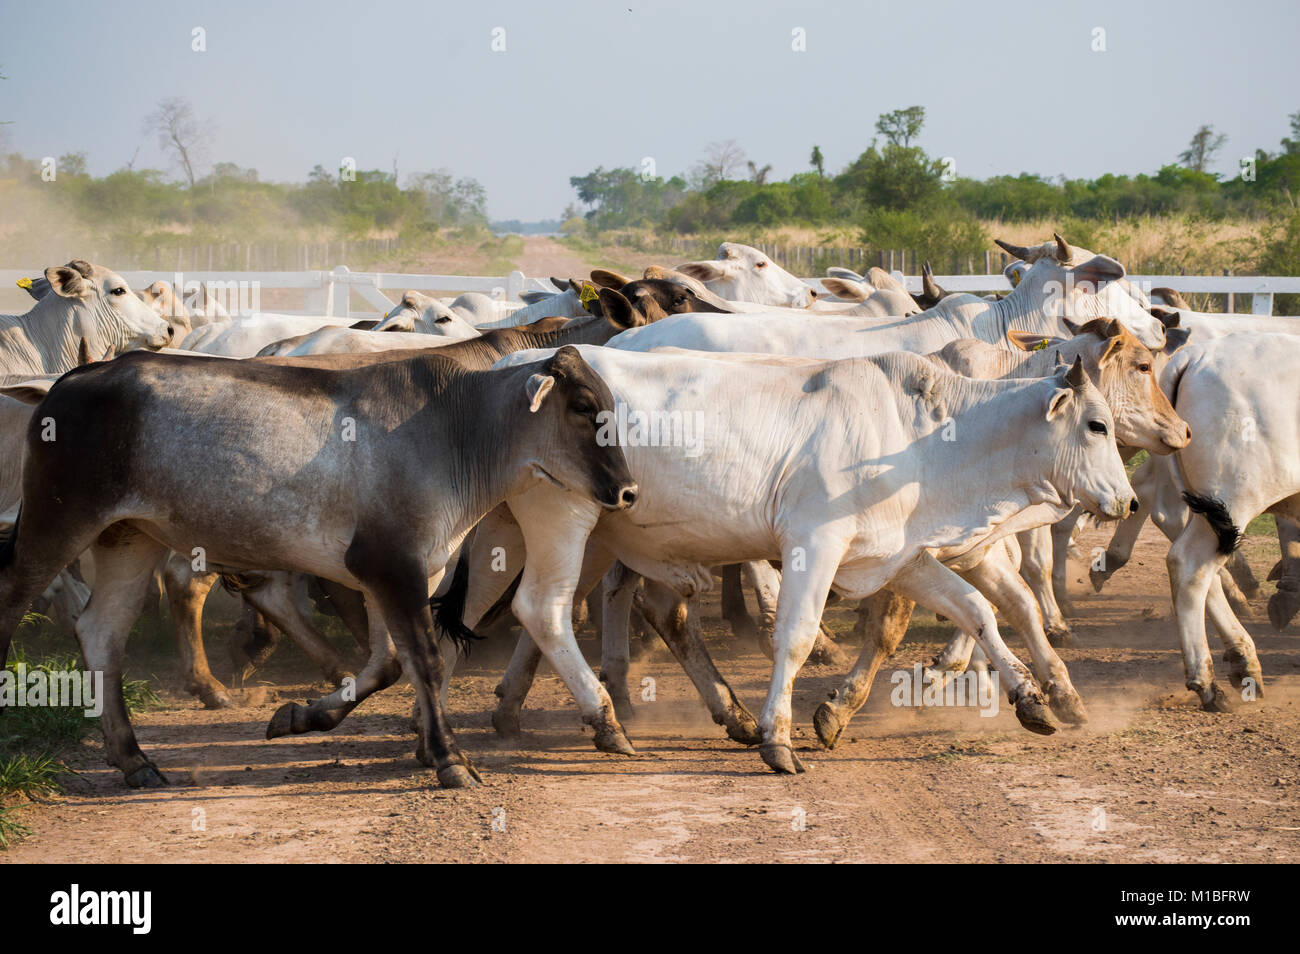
x: 330, y: 292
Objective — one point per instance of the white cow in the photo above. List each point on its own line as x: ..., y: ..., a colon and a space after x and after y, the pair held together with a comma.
x: 424, y: 314
x: 743, y: 273
x: 838, y: 469
x: 1241, y: 396
x: 1060, y: 284
x: 351, y: 341
x: 92, y: 310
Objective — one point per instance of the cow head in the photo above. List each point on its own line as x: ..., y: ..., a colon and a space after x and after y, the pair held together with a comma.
x: 109, y: 314
x: 164, y: 301
x: 1127, y: 374
x: 649, y: 299
x: 426, y: 315
x: 743, y: 273
x: 566, y: 403
x: 1086, y: 465
x: 1064, y: 281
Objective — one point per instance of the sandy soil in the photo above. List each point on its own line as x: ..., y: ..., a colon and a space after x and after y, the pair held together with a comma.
x: 1151, y: 778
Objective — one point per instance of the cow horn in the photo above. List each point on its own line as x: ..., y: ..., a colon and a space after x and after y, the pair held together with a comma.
x: 1168, y: 318
x: 929, y: 287
x: 1063, y: 253
x: 1059, y: 361
x: 1019, y: 251
x: 1075, y: 377
x: 1073, y: 326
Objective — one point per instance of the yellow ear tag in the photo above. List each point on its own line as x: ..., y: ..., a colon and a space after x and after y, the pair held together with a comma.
x: 1041, y: 346
x: 1015, y: 278
x: 24, y: 283
x: 587, y: 294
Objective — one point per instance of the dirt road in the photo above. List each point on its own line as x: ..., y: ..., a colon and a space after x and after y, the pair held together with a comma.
x: 1151, y: 778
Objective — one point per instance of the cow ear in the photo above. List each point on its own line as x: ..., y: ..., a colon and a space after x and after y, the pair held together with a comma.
x: 618, y: 311
x: 1029, y: 341
x: 27, y: 392
x: 703, y: 271
x: 537, y: 387
x: 529, y: 297
x: 1098, y: 269
x: 1058, y: 402
x: 852, y: 291
x: 67, y: 281
x: 1175, y: 338
x: 604, y: 278
x: 1113, y: 348
x: 1166, y: 316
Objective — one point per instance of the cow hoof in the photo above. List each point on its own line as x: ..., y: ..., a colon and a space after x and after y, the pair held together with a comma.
x: 610, y: 738
x: 458, y: 776
x: 826, y: 722
x: 339, y: 675
x: 147, y: 776
x: 506, y: 724
x: 742, y: 727
x: 281, y: 723
x: 1098, y: 579
x: 1215, y: 700
x: 1282, y: 607
x: 1067, y: 706
x: 1035, y: 716
x: 780, y: 758
x: 1060, y: 635
x: 216, y: 700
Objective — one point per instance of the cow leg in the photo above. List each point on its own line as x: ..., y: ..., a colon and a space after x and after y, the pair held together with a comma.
x: 321, y: 715
x: 1283, y: 605
x: 882, y: 623
x: 1239, y: 648
x: 734, y: 610
x: 187, y: 590
x: 1151, y: 484
x: 351, y: 607
x: 125, y: 561
x: 619, y: 590
x: 798, y: 617
x: 945, y: 592
x: 1193, y: 564
x: 273, y: 596
x: 544, y: 605
x: 761, y: 577
x: 1038, y: 562
x: 997, y: 580
x: 514, y: 686
x: 1058, y: 565
x: 679, y: 627
x: 253, y: 644
x: 68, y: 597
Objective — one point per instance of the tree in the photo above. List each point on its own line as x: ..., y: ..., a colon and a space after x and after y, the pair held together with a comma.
x: 902, y: 125
x: 1200, y: 151
x: 722, y: 160
x: 180, y: 134
x: 818, y: 163
x: 1292, y: 144
x: 757, y: 174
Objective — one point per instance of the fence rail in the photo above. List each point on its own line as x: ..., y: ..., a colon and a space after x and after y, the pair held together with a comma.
x: 331, y: 292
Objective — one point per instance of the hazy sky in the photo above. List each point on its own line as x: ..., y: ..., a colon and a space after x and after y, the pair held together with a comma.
x: 580, y: 84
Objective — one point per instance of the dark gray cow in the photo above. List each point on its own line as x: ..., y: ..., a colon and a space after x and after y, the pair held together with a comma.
x: 370, y: 477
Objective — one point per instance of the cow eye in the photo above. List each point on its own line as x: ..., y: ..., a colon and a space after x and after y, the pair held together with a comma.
x: 761, y: 265
x: 1144, y: 368
x: 1097, y: 427
x: 119, y: 291
x: 442, y: 320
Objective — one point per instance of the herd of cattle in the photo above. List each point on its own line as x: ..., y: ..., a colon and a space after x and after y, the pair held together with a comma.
x: 626, y: 437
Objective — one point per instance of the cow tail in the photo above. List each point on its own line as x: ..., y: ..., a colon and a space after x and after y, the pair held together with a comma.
x: 1212, y: 508
x: 449, y: 609
x: 1215, y: 512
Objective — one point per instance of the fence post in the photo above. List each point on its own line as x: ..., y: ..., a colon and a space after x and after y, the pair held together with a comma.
x: 1261, y: 303
x: 514, y: 285
x: 339, y: 298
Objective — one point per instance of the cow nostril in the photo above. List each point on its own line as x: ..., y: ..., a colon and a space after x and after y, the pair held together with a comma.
x: 1133, y: 505
x: 171, y: 332
x: 628, y: 496
x: 1189, y: 432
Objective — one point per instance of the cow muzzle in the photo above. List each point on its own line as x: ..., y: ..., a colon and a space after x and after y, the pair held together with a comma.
x: 624, y: 497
